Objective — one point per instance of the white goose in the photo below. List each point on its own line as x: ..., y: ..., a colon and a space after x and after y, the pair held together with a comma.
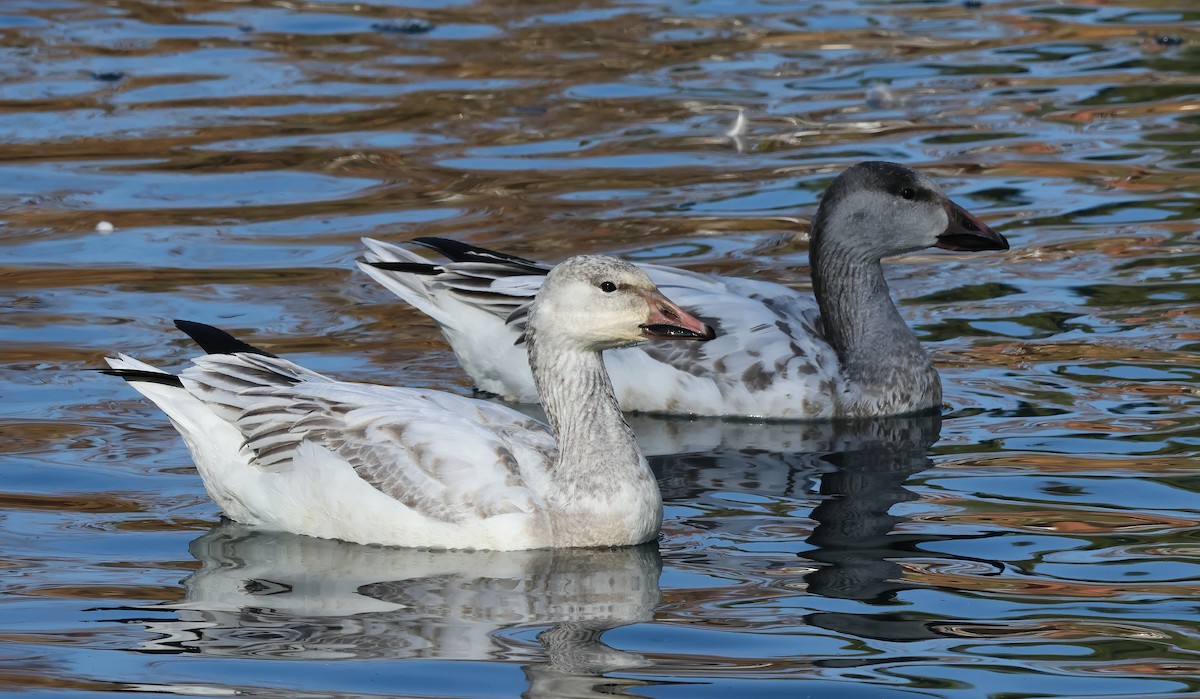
x: 780, y: 353
x: 285, y: 448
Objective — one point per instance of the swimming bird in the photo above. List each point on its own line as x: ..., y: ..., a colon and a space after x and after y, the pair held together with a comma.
x: 843, y: 351
x: 287, y: 449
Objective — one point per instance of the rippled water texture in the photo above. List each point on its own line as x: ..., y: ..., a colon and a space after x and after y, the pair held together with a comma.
x: 1037, y: 541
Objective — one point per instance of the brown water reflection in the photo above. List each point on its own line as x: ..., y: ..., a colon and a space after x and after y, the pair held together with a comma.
x: 1042, y: 546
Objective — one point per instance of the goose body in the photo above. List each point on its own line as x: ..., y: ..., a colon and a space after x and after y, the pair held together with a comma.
x: 288, y: 449
x: 844, y: 351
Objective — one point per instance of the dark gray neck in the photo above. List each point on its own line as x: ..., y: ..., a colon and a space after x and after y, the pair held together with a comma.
x: 888, y: 369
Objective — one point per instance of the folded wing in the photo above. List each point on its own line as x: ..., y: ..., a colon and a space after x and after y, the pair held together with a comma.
x: 444, y: 457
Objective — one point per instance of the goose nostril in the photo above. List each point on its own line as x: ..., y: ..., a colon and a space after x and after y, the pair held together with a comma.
x: 668, y: 312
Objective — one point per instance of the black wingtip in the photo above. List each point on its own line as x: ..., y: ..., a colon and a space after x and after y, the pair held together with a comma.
x: 407, y: 267
x: 143, y: 375
x: 216, y: 341
x: 462, y: 252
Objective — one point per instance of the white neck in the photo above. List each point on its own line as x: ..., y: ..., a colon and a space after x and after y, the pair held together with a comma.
x: 600, y: 476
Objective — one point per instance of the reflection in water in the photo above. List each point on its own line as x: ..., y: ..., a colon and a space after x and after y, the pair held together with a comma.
x: 787, y: 460
x: 857, y: 549
x: 855, y: 472
x: 666, y: 435
x: 267, y: 594
x: 854, y: 521
x: 855, y: 545
x: 241, y: 149
x: 272, y: 595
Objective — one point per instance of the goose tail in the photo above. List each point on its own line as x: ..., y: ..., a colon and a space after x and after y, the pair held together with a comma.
x: 165, y: 390
x: 137, y: 372
x: 405, y: 274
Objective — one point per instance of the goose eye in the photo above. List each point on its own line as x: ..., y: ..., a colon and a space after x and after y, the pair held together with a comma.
x: 908, y: 193
x: 608, y: 287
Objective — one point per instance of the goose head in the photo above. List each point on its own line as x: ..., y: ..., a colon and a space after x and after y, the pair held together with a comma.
x: 600, y: 303
x: 878, y: 209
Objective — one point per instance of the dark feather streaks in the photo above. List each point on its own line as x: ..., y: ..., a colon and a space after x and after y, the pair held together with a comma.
x: 142, y: 375
x: 462, y: 252
x: 428, y: 270
x: 275, y: 431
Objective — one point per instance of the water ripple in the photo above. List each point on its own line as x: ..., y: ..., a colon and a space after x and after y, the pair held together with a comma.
x: 1039, y: 541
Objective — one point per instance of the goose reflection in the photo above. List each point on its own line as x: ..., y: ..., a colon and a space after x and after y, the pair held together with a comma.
x: 853, y: 538
x: 267, y: 594
x: 851, y: 474
x: 857, y: 552
x: 855, y: 467
x: 853, y: 470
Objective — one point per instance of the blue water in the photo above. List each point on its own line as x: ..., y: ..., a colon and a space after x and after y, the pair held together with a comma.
x: 1036, y: 541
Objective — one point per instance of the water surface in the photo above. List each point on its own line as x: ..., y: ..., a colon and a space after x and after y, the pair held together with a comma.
x: 1037, y: 541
